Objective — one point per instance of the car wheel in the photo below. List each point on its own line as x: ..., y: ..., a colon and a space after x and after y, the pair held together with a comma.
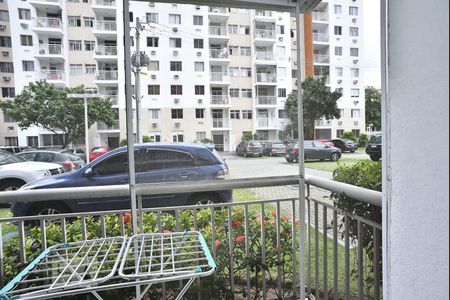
x: 335, y: 156
x: 289, y: 160
x: 11, y: 185
x: 245, y: 154
x: 203, y: 199
x: 375, y: 157
x: 48, y: 208
x: 352, y: 151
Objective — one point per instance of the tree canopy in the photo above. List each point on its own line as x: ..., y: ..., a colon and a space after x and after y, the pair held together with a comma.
x: 318, y: 102
x: 42, y: 104
x: 373, y: 107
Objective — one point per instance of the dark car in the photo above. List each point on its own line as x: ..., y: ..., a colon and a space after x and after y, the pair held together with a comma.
x: 15, y: 149
x: 345, y: 145
x: 70, y: 162
x: 374, y: 147
x: 155, y: 163
x: 329, y: 143
x: 249, y: 148
x: 78, y: 152
x: 274, y: 149
x: 313, y: 150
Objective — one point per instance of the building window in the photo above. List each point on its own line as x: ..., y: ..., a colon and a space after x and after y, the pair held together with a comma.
x: 153, y: 42
x: 233, y: 29
x: 28, y: 66
x: 24, y: 14
x: 280, y: 29
x: 33, y: 141
x: 89, y: 45
x: 233, y: 50
x: 50, y: 140
x: 198, y: 20
x: 153, y: 65
x: 75, y: 45
x: 198, y: 44
x: 152, y: 18
x: 235, y: 114
x: 355, y: 93
x: 154, y: 90
x: 201, y: 136
x: 356, y: 132
x: 26, y: 40
x: 246, y: 72
x: 282, y: 93
x: 282, y: 72
x: 247, y: 114
x: 76, y: 69
x: 200, y: 113
x: 8, y: 92
x: 339, y: 133
x: 7, y: 118
x: 246, y: 93
x: 90, y: 69
x: 282, y: 114
x: 5, y: 41
x: 175, y: 43
x: 199, y: 89
x: 11, y: 141
x: 338, y: 9
x: 176, y: 90
x: 353, y: 11
x: 354, y: 72
x: 176, y: 66
x: 4, y: 16
x: 281, y: 51
x: 354, y: 31
x: 174, y: 19
x: 339, y: 71
x: 88, y: 22
x: 338, y: 51
x: 234, y: 72
x: 74, y: 21
x: 246, y: 51
x: 153, y: 114
x: 199, y: 66
x: 6, y: 67
x: 177, y: 113
x: 244, y: 30
x: 337, y: 30
x: 354, y: 52
x: 234, y: 93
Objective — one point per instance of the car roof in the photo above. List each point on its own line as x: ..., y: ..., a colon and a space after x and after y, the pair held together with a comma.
x: 177, y: 146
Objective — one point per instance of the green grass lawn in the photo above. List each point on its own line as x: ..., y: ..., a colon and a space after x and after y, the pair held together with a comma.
x: 331, y: 166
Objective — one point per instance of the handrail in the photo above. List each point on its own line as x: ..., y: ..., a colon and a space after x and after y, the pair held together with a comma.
x: 354, y: 192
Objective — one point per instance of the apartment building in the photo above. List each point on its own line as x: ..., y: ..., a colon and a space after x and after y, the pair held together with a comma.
x: 335, y: 50
x: 8, y: 127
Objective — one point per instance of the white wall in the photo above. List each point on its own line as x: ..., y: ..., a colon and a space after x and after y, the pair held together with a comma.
x: 416, y: 200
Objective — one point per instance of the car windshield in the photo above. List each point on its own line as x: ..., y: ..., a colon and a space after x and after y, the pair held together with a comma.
x: 255, y: 144
x: 278, y: 145
x: 376, y: 139
x: 6, y: 158
x: 99, y: 150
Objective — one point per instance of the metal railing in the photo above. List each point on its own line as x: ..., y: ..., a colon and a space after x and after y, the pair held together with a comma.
x: 114, y: 99
x: 323, y: 123
x: 266, y: 100
x: 218, y: 53
x: 266, y: 56
x: 263, y: 123
x: 54, y: 75
x: 104, y: 126
x: 218, y: 31
x: 49, y: 1
x: 220, y: 100
x: 49, y: 23
x: 104, y: 2
x: 327, y: 77
x: 322, y: 58
x: 106, y: 25
x: 49, y: 49
x: 266, y: 78
x: 106, y: 50
x: 255, y: 244
x: 265, y: 34
x: 218, y: 10
x: 221, y: 123
x: 107, y: 75
x: 264, y: 13
x: 320, y: 16
x: 321, y: 37
x: 219, y: 77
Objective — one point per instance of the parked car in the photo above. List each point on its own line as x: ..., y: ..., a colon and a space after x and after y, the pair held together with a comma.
x: 15, y: 171
x: 328, y: 143
x: 14, y: 149
x: 313, y: 150
x: 374, y: 147
x: 96, y: 152
x: 249, y: 148
x: 274, y: 149
x: 70, y: 162
x: 345, y: 145
x: 155, y: 162
x: 78, y: 152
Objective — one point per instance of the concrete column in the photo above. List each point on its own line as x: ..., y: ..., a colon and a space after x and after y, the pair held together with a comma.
x: 416, y: 160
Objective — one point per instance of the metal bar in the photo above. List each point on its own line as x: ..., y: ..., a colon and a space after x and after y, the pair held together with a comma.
x: 309, y: 286
x: 22, y: 252
x: 43, y: 235
x: 360, y: 262
x: 247, y: 250
x: 294, y: 250
x: 103, y: 225
x: 376, y: 264
x: 278, y: 249
x: 263, y: 250
x: 316, y: 250
x: 185, y: 289
x: 325, y: 253
x: 2, y: 273
x: 230, y: 249
x: 335, y: 257
x: 83, y: 228
x: 347, y: 258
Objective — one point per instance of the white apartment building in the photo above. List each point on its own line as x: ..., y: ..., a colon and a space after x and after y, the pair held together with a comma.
x: 214, y: 73
x: 338, y: 54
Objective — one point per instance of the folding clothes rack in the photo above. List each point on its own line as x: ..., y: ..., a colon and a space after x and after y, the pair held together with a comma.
x: 112, y: 263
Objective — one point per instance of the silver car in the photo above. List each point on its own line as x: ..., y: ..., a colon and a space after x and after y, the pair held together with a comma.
x: 70, y: 162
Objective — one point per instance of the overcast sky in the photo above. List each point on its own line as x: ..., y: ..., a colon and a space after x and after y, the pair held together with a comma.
x: 372, y: 43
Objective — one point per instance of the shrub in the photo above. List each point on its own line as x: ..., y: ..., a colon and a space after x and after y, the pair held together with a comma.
x: 247, y: 136
x: 207, y: 141
x: 363, y: 140
x: 123, y: 142
x: 349, y: 136
x: 146, y: 139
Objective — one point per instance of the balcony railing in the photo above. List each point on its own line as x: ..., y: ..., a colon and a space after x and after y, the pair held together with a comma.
x: 219, y: 77
x: 266, y: 123
x: 48, y: 23
x: 266, y: 100
x: 56, y: 75
x: 266, y: 78
x: 218, y: 10
x: 49, y: 49
x: 104, y: 2
x: 264, y: 13
x: 48, y: 1
x: 320, y: 16
x: 221, y: 123
x: 218, y: 31
x: 220, y: 100
x: 255, y: 244
x: 323, y: 123
x: 321, y: 37
x: 104, y: 126
x: 106, y: 50
x: 265, y: 56
x: 218, y: 53
x: 106, y: 25
x: 322, y: 58
x: 107, y: 75
x: 265, y: 34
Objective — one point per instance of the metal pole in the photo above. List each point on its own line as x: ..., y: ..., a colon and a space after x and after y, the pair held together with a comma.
x: 301, y: 159
x: 86, y: 128
x: 138, y: 80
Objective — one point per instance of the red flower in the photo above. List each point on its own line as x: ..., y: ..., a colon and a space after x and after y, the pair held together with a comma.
x: 236, y: 224
x: 286, y: 218
x: 218, y: 243
x: 240, y: 239
x: 167, y: 231
x: 265, y: 222
x: 127, y: 218
x: 274, y: 214
x: 297, y: 222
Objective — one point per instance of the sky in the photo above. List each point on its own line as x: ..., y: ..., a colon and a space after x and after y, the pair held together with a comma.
x: 372, y: 43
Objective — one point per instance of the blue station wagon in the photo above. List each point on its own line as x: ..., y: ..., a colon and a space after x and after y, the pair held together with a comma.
x: 155, y: 162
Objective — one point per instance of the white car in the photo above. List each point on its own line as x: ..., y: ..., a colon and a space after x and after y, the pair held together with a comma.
x: 15, y: 171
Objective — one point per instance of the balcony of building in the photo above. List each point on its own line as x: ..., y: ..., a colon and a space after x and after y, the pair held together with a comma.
x: 103, y: 127
x: 219, y: 78
x: 107, y: 77
x: 265, y: 16
x: 323, y: 123
x: 320, y: 17
x: 218, y: 54
x: 218, y: 14
x: 105, y: 53
x: 264, y: 56
x: 264, y: 34
x: 266, y: 124
x: 56, y: 77
x: 48, y: 26
x: 221, y: 124
x: 321, y: 37
x: 218, y: 33
x: 220, y: 100
x: 322, y: 58
x: 105, y: 29
x: 266, y: 75
x: 49, y: 52
x: 47, y: 4
x: 104, y: 7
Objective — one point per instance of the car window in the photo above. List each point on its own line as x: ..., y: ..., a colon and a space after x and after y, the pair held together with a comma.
x: 278, y: 145
x: 207, y: 158
x: 98, y: 150
x: 27, y: 156
x: 255, y: 144
x: 155, y: 159
x: 309, y: 144
x: 320, y: 145
x: 79, y: 151
x: 117, y: 164
x: 45, y: 157
x: 6, y: 158
x: 376, y: 139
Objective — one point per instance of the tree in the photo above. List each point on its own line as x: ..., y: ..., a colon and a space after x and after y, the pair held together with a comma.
x: 318, y: 102
x: 373, y: 107
x: 42, y: 104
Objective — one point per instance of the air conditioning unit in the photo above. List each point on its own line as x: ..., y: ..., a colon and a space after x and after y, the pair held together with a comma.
x: 176, y: 76
x: 355, y: 81
x: 153, y: 53
x: 177, y: 124
x: 5, y: 53
x: 2, y: 27
x: 24, y: 25
x: 340, y: 123
x: 338, y: 39
x: 6, y: 78
x: 354, y: 20
x: 295, y: 43
x: 199, y: 54
x: 175, y: 29
x: 176, y: 100
x: 200, y: 101
x: 355, y: 61
x: 176, y: 53
x: 281, y: 39
x: 151, y: 4
x: 198, y: 7
x: 339, y: 81
x: 154, y: 125
x: 356, y: 122
x: 153, y: 76
x: 295, y: 63
x: 354, y: 41
x: 356, y: 102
